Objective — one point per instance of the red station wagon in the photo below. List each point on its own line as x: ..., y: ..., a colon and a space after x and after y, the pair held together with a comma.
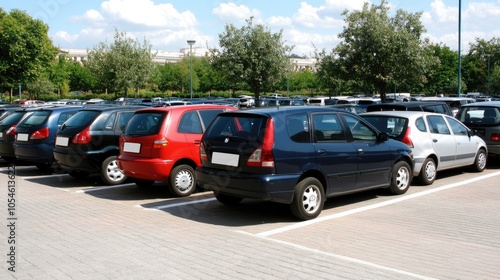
x: 163, y: 144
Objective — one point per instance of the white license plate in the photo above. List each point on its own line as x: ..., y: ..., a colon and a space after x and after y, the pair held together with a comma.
x: 62, y: 141
x: 225, y: 159
x: 132, y: 147
x: 23, y: 137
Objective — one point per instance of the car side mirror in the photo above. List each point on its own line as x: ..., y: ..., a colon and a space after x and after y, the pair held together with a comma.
x: 383, y: 136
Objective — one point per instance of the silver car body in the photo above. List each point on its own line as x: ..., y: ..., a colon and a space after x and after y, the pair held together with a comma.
x: 431, y: 135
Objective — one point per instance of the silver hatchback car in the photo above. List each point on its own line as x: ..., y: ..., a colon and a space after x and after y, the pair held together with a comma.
x: 438, y: 141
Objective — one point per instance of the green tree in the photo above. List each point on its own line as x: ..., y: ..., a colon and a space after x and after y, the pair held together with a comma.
x: 40, y: 86
x: 380, y: 51
x: 303, y: 80
x: 81, y: 77
x: 475, y: 63
x: 443, y: 77
x: 253, y: 55
x: 26, y: 50
x: 122, y: 65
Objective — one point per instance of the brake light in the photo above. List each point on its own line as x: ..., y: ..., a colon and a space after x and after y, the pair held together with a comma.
x: 495, y: 137
x: 42, y: 133
x: 263, y: 155
x: 406, y: 139
x: 82, y: 137
x: 11, y: 131
x: 158, y: 144
x: 203, y: 154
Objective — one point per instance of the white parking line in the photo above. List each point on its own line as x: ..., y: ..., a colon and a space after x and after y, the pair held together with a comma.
x: 179, y: 204
x: 374, y: 206
x: 104, y: 188
x: 343, y: 258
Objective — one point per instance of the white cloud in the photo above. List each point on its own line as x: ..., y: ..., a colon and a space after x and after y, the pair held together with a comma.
x: 279, y: 21
x: 231, y: 12
x: 147, y: 13
x: 305, y: 42
x: 309, y: 16
x: 340, y: 5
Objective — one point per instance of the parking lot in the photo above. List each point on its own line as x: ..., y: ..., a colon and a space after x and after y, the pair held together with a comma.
x: 65, y: 228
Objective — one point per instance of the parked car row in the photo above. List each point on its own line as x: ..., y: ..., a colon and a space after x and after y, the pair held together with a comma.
x: 298, y: 155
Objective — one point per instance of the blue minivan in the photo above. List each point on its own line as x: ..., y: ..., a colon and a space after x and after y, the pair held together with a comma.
x: 299, y: 156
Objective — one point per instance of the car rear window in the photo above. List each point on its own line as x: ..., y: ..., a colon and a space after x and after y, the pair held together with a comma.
x: 479, y: 115
x: 36, y: 119
x: 82, y: 119
x: 145, y: 123
x: 237, y: 126
x: 13, y: 118
x: 395, y: 127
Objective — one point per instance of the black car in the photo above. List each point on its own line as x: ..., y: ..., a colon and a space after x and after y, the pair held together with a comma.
x: 88, y: 142
x: 426, y: 106
x: 8, y: 132
x: 299, y: 155
x: 35, y: 135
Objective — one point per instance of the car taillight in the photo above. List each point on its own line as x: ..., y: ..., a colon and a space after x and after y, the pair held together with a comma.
x: 203, y: 154
x: 495, y: 137
x: 11, y: 131
x: 406, y: 139
x: 42, y: 133
x: 263, y: 155
x: 160, y: 143
x: 82, y: 137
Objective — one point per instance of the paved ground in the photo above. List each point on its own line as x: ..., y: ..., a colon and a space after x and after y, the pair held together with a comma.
x: 81, y: 229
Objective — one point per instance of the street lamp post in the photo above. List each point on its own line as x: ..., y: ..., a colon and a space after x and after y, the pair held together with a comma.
x: 459, y: 45
x: 488, y: 81
x: 191, y: 43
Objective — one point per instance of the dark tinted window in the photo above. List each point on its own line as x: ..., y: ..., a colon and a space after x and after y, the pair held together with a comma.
x: 63, y: 117
x: 359, y: 130
x: 298, y: 128
x: 393, y: 126
x: 207, y: 116
x: 244, y: 127
x: 108, y: 125
x: 123, y: 119
x: 420, y: 124
x: 190, y: 123
x: 327, y: 127
x: 36, y: 119
x: 145, y: 123
x: 82, y: 119
x: 13, y: 118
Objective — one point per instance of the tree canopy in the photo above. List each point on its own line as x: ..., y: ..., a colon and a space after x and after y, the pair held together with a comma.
x: 253, y: 55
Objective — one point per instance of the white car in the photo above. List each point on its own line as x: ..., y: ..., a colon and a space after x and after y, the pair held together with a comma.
x: 438, y: 141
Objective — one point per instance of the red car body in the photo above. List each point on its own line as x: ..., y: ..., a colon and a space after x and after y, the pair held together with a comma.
x: 162, y: 144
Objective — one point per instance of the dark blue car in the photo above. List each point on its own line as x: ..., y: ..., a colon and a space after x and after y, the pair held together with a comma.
x: 8, y: 132
x: 35, y: 135
x: 299, y: 156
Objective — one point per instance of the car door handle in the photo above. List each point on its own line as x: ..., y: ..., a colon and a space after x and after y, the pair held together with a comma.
x: 321, y: 151
x: 197, y: 142
x: 434, y: 140
x: 360, y: 151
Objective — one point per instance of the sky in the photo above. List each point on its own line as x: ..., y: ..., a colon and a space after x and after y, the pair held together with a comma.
x: 307, y: 25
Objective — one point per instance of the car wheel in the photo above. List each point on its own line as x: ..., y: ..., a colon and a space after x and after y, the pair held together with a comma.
x: 228, y: 199
x: 401, y: 178
x: 144, y: 183
x: 480, y: 162
x: 308, y: 199
x: 182, y: 181
x: 110, y: 173
x: 428, y: 173
x: 77, y: 174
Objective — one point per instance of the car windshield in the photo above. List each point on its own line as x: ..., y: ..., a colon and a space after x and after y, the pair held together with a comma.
x: 145, y: 123
x: 479, y: 115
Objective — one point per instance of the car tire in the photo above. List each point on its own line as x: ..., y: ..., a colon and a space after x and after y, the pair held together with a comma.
x: 401, y: 177
x: 308, y: 199
x: 111, y: 173
x: 480, y: 161
x: 142, y: 183
x: 182, y: 180
x: 428, y: 172
x: 77, y: 174
x: 227, y: 199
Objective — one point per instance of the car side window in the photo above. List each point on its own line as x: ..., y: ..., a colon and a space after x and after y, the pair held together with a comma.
x: 457, y: 127
x: 190, y: 123
x: 64, y: 117
x: 327, y: 127
x: 359, y: 130
x: 108, y: 125
x: 298, y: 128
x: 438, y: 125
x: 420, y: 124
x: 207, y: 116
x: 123, y: 119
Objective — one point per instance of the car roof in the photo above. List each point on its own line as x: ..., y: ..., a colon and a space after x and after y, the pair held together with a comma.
x: 278, y: 110
x: 406, y: 114
x: 184, y: 107
x: 111, y: 108
x: 483, y: 104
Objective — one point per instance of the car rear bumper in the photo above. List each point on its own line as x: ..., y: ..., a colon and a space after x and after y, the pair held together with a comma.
x: 34, y: 152
x: 270, y: 187
x: 145, y: 168
x: 73, y: 161
x: 7, y: 149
